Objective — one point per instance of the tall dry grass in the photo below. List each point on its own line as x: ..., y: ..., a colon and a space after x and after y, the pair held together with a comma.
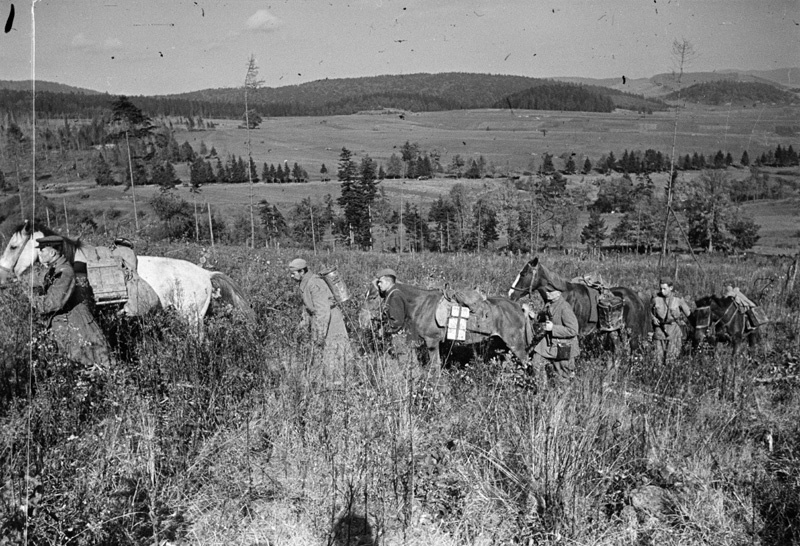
x: 238, y: 439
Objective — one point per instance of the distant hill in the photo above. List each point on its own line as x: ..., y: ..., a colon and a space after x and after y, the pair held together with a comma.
x: 789, y: 76
x: 662, y: 85
x: 51, y: 87
x: 669, y: 82
x: 413, y: 92
x: 416, y: 92
x: 737, y: 92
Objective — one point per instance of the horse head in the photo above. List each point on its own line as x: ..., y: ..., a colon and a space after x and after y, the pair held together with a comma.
x: 20, y: 253
x: 711, y: 318
x: 526, y: 282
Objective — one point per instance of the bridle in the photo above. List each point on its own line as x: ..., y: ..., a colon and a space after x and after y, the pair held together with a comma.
x: 529, y: 290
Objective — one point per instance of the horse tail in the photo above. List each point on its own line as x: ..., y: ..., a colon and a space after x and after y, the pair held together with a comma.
x: 229, y: 293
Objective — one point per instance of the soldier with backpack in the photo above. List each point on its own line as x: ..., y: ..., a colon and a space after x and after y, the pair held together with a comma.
x: 323, y: 318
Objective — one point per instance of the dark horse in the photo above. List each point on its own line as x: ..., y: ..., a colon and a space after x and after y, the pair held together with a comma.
x: 718, y: 320
x: 505, y: 319
x: 636, y: 317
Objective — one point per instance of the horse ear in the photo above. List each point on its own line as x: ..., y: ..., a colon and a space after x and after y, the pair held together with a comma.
x: 535, y: 261
x: 26, y: 227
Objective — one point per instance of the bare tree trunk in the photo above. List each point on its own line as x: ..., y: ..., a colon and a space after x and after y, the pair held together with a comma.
x: 210, y: 225
x: 682, y: 53
x: 133, y: 185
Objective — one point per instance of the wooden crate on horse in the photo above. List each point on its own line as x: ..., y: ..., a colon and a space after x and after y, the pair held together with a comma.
x: 108, y: 282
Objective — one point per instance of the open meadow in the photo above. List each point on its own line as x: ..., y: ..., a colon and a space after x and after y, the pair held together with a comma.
x: 511, y: 143
x: 508, y: 139
x: 237, y: 439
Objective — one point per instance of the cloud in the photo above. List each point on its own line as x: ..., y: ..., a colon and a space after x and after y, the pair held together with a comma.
x: 263, y: 21
x: 111, y: 43
x: 81, y: 42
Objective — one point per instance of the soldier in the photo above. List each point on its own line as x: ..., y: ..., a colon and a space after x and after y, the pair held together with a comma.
x: 323, y: 318
x: 667, y: 312
x: 394, y: 313
x: 71, y: 324
x: 558, y: 349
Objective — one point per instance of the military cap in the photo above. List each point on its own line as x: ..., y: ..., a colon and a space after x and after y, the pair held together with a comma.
x: 55, y: 241
x: 555, y: 285
x: 386, y: 272
x: 297, y: 264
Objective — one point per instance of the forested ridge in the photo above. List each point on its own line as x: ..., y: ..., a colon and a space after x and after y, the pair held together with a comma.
x: 414, y: 92
x: 722, y: 92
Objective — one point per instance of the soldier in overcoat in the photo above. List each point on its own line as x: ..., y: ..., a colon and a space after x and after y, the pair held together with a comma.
x: 557, y: 351
x: 394, y: 313
x: 71, y: 325
x: 668, y: 313
x: 323, y: 318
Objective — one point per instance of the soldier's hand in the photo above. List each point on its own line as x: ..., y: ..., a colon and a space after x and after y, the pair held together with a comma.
x: 548, y: 326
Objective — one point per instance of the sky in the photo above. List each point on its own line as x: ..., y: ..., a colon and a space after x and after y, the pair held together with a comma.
x: 149, y: 47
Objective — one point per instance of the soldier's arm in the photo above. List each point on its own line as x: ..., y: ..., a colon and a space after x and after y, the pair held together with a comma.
x: 658, y: 310
x: 685, y: 307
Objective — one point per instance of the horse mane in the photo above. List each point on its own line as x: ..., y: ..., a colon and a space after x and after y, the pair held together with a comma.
x: 415, y: 290
x: 719, y: 304
x: 70, y: 245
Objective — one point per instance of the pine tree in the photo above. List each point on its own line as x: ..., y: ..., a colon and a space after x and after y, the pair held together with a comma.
x: 164, y: 176
x: 394, y: 167
x: 186, y: 152
x: 272, y: 219
x: 587, y: 166
x: 253, y: 170
x: 222, y: 173
x: 359, y: 187
x: 570, y: 167
x: 547, y: 164
x: 594, y: 233
x: 102, y: 172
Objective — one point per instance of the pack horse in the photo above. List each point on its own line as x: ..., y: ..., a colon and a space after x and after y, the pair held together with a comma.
x: 492, y: 317
x: 584, y: 301
x: 179, y: 284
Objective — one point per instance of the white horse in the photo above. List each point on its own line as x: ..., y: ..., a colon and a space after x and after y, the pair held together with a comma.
x: 179, y: 284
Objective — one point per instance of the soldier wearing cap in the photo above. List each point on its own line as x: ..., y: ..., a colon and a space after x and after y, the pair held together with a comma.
x: 667, y: 313
x: 322, y: 316
x: 394, y: 312
x: 71, y: 324
x: 559, y: 348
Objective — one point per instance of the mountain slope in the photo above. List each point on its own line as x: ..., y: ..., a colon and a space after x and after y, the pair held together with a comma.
x: 52, y: 87
x: 738, y: 92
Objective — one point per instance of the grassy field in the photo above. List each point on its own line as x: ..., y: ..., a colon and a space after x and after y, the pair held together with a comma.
x: 779, y: 219
x: 239, y: 439
x: 508, y: 139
